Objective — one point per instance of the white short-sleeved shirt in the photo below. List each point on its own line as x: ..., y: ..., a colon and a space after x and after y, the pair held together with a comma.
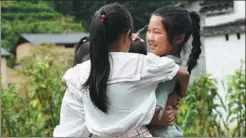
x: 130, y: 90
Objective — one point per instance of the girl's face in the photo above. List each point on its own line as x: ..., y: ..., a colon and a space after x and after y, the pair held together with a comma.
x: 157, y: 37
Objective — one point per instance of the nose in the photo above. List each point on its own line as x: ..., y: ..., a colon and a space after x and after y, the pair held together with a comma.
x: 150, y: 37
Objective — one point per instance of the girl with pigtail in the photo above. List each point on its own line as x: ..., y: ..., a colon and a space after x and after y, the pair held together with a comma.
x: 168, y: 32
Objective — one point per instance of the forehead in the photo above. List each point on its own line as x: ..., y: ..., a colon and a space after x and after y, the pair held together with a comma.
x: 156, y: 22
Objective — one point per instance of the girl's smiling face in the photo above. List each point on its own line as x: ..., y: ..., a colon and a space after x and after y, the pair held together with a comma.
x: 157, y: 37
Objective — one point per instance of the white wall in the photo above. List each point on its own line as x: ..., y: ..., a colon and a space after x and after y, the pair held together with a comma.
x: 223, y: 57
x: 238, y: 13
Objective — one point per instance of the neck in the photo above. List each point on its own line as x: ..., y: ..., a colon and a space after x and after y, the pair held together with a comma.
x: 176, y: 54
x: 176, y: 51
x: 115, y: 48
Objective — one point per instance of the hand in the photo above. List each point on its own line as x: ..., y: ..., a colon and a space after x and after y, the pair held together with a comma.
x: 135, y: 37
x: 63, y: 81
x: 169, y: 115
x: 167, y: 119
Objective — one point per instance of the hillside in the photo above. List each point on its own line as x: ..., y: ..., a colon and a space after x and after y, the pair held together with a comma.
x: 32, y: 17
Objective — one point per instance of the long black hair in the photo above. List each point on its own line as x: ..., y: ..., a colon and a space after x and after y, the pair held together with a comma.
x: 178, y: 21
x: 108, y: 25
x: 82, y: 51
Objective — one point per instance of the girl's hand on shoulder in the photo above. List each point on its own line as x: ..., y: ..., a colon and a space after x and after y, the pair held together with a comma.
x: 136, y: 37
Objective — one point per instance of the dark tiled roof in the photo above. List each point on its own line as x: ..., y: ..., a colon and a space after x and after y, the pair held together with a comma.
x: 54, y: 38
x: 237, y: 26
x: 210, y: 7
x: 4, y: 52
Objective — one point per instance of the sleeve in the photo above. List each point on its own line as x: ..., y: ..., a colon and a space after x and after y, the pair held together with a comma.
x: 72, y: 117
x: 158, y: 69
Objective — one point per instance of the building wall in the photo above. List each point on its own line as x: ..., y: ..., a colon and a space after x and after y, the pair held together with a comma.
x: 222, y: 59
x: 238, y: 13
x: 4, y: 80
x: 23, y: 50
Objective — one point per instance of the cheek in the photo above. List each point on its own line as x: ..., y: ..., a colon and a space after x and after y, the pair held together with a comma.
x: 147, y: 37
x: 163, y: 46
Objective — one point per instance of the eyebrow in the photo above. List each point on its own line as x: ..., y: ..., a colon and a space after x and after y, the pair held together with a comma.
x: 155, y: 28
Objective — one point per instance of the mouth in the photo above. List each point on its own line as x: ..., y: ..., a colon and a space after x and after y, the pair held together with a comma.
x: 153, y: 47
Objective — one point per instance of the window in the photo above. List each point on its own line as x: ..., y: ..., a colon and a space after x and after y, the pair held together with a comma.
x: 69, y: 46
x: 238, y: 36
x: 227, y: 37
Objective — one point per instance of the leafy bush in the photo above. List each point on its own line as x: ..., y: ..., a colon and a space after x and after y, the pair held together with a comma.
x: 235, y: 88
x: 36, y: 113
x: 199, y: 114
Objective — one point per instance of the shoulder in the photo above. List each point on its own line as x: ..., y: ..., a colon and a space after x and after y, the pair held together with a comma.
x: 156, y: 62
x: 77, y: 74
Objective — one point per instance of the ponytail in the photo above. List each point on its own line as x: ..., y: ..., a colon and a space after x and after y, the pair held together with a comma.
x: 100, y: 65
x: 196, y: 42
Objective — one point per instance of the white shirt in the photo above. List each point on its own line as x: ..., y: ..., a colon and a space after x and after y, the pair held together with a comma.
x: 130, y: 90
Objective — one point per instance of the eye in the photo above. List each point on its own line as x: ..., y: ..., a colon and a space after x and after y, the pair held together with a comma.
x: 157, y: 32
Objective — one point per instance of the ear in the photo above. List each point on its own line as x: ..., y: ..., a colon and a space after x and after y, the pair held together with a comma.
x: 127, y: 36
x: 179, y: 39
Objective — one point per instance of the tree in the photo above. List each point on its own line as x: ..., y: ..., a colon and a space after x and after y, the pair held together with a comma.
x: 83, y: 10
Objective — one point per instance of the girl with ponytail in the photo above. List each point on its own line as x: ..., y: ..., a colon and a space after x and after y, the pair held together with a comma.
x: 168, y: 32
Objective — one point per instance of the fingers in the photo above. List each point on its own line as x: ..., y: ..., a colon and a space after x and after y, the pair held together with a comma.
x: 168, y: 107
x: 135, y: 37
x: 171, y: 119
x: 170, y: 114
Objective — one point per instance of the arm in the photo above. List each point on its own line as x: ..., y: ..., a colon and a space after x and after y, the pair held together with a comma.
x: 183, y: 80
x: 72, y: 118
x: 63, y: 81
x: 168, y: 117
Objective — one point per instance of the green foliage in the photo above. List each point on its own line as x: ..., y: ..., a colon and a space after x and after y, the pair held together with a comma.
x: 140, y: 10
x: 236, y: 96
x: 31, y: 17
x: 36, y: 113
x: 196, y: 109
x: 199, y: 114
x: 14, y: 113
x: 25, y: 7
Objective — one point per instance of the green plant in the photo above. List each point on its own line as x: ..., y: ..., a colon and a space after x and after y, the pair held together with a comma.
x: 235, y: 88
x: 37, y: 112
x: 196, y: 118
x: 199, y: 114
